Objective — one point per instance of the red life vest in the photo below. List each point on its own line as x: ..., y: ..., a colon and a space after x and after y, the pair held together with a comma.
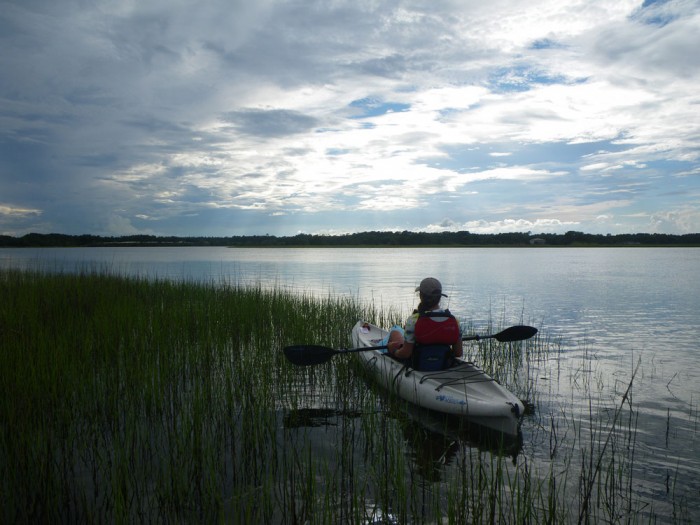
x: 434, y: 340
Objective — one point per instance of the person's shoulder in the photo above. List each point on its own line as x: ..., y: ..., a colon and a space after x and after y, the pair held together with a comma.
x: 440, y: 312
x: 450, y: 314
x: 444, y: 314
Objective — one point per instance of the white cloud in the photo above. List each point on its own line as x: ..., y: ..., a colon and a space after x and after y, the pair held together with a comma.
x: 18, y: 211
x: 175, y: 110
x: 683, y: 220
x: 505, y: 226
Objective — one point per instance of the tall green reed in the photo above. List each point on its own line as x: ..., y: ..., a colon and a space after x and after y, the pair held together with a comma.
x: 130, y: 398
x: 126, y: 399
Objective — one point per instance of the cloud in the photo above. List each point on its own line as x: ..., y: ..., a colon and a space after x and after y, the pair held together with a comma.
x: 200, y: 118
x: 122, y: 226
x: 14, y: 211
x: 505, y: 226
x: 13, y: 218
x: 270, y: 123
x: 683, y: 220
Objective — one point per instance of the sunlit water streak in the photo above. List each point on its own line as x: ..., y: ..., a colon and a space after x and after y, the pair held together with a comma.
x: 605, y: 310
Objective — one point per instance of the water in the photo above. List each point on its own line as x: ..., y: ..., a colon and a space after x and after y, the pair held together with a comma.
x: 606, y: 311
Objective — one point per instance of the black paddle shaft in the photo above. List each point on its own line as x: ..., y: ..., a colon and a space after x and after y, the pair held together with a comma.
x: 310, y: 355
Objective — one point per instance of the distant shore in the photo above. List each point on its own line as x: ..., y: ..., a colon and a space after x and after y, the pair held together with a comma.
x: 372, y: 239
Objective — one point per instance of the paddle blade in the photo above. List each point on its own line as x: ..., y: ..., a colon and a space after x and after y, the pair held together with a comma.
x: 308, y: 355
x: 515, y: 333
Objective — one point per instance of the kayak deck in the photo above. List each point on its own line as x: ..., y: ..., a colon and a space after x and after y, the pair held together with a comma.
x: 463, y: 389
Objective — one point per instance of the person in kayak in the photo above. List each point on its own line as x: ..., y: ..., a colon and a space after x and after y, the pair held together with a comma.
x: 431, y: 337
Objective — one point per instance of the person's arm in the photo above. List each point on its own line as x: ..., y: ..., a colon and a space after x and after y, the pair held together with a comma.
x: 405, y: 351
x: 457, y: 349
x: 395, y: 341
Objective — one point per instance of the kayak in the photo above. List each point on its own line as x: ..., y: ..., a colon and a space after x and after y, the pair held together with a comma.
x: 464, y: 389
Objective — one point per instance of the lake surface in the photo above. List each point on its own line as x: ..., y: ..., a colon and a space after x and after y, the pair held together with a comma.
x: 604, y: 310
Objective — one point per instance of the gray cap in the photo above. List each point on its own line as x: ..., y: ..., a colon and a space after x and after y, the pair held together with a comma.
x: 430, y: 287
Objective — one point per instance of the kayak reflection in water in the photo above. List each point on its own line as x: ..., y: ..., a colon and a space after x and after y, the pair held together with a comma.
x: 432, y: 337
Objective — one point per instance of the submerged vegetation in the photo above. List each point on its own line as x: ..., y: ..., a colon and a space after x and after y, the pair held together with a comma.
x: 125, y: 399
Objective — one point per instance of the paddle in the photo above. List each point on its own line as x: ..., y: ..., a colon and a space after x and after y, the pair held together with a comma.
x: 514, y: 333
x: 308, y: 355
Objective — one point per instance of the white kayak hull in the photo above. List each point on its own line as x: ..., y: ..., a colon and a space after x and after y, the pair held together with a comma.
x: 462, y: 390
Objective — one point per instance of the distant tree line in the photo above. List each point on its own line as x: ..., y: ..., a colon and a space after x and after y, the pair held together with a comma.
x: 371, y: 238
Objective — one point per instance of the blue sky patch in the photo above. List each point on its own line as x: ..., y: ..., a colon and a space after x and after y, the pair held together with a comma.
x: 545, y: 43
x: 371, y: 107
x: 335, y: 152
x: 464, y: 158
x: 650, y: 13
x: 520, y: 78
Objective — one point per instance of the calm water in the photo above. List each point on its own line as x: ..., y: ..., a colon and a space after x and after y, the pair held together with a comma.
x: 604, y: 309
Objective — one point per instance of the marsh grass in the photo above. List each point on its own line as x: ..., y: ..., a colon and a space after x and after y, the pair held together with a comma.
x: 126, y: 399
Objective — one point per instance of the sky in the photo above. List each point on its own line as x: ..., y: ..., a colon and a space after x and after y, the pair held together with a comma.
x: 234, y: 117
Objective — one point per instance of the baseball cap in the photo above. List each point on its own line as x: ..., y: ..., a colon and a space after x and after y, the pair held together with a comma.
x: 430, y: 287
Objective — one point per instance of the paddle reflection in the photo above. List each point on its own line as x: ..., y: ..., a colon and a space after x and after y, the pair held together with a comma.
x: 317, y: 417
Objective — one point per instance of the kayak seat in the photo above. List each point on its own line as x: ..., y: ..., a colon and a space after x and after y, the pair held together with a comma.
x: 430, y: 358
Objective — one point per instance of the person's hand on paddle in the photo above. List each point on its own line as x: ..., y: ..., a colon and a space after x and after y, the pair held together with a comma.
x: 393, y: 346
